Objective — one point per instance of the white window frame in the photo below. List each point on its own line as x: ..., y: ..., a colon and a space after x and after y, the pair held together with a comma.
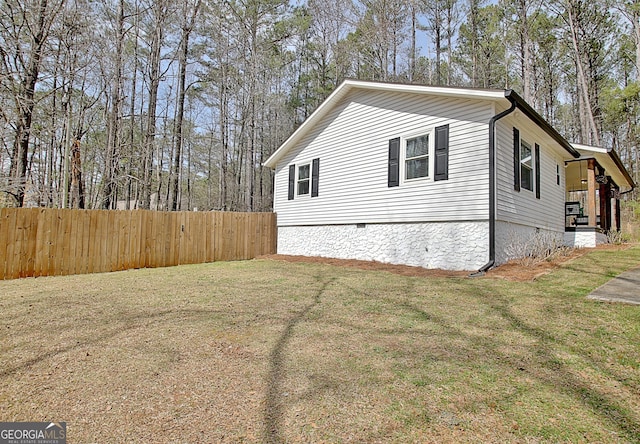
x: 523, y: 165
x: 430, y: 133
x: 298, y: 180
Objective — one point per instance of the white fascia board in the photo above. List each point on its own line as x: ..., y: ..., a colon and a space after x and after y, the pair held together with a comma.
x: 584, y: 149
x: 493, y: 94
x: 348, y: 85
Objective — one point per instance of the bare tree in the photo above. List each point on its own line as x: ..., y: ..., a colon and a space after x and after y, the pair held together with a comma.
x: 159, y: 14
x: 114, y: 120
x: 189, y: 14
x: 25, y: 28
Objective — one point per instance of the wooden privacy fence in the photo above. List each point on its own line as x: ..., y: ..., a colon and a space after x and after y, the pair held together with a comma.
x: 45, y: 242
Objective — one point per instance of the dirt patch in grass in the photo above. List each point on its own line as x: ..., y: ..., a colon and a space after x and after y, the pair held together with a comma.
x: 516, y: 270
x: 403, y: 270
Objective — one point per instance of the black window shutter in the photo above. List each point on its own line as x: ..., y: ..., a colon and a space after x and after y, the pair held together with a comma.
x: 516, y: 159
x: 442, y: 153
x: 292, y: 181
x: 537, y: 167
x: 394, y: 162
x: 315, y: 172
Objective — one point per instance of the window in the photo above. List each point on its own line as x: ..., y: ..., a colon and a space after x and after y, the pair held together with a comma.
x: 409, y: 158
x: 303, y: 179
x: 526, y: 166
x: 417, y: 157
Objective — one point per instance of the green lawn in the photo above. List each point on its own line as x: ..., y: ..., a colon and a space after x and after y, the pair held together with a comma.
x: 269, y: 351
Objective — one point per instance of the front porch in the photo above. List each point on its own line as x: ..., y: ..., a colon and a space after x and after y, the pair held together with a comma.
x: 593, y: 190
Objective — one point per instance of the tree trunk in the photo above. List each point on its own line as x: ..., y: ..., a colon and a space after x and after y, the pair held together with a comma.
x: 437, y: 29
x: 593, y: 133
x: 413, y: 50
x: 77, y: 187
x: 154, y: 84
x: 26, y: 102
x: 112, y: 161
x: 525, y: 44
x: 182, y: 72
x: 473, y: 12
x: 450, y: 33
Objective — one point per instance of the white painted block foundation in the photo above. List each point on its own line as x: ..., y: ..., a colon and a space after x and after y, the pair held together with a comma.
x: 444, y: 245
x: 584, y: 238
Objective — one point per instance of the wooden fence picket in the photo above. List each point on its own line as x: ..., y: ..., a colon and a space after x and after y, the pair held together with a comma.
x: 46, y: 242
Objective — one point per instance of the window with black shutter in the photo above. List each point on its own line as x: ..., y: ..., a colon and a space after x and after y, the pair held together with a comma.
x: 393, y: 179
x: 516, y: 159
x: 442, y: 153
x: 292, y: 181
x: 537, y: 168
x: 304, y: 179
x: 526, y: 165
x: 419, y: 157
x: 315, y: 173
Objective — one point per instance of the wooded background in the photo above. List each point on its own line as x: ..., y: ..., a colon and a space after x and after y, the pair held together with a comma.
x: 174, y: 105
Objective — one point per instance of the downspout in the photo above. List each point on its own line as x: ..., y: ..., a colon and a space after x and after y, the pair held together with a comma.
x: 492, y: 184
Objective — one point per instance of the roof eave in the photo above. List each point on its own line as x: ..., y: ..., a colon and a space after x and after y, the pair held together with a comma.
x: 349, y: 84
x: 541, y: 122
x: 612, y: 154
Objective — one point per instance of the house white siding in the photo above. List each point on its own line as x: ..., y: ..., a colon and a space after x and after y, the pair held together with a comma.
x: 524, y: 223
x: 444, y: 245
x: 522, y: 207
x: 352, y: 143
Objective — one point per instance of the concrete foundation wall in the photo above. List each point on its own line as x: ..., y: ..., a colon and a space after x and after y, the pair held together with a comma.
x: 586, y: 238
x: 444, y: 245
x: 515, y: 241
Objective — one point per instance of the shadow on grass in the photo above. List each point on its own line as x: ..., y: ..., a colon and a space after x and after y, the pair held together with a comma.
x: 132, y: 322
x: 547, y: 369
x: 564, y: 381
x: 274, y: 403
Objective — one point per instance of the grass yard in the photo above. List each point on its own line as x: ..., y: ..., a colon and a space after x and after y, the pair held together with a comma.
x: 270, y: 351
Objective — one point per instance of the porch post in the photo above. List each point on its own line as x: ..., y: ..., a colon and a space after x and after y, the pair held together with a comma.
x: 591, y: 193
x: 618, y: 216
x: 614, y: 215
x: 605, y: 205
x: 610, y: 204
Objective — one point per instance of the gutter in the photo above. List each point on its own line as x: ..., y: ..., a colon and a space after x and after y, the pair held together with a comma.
x: 517, y: 102
x: 528, y: 111
x: 492, y: 186
x: 633, y: 187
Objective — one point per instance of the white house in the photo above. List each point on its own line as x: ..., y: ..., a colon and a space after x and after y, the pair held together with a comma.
x: 451, y: 178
